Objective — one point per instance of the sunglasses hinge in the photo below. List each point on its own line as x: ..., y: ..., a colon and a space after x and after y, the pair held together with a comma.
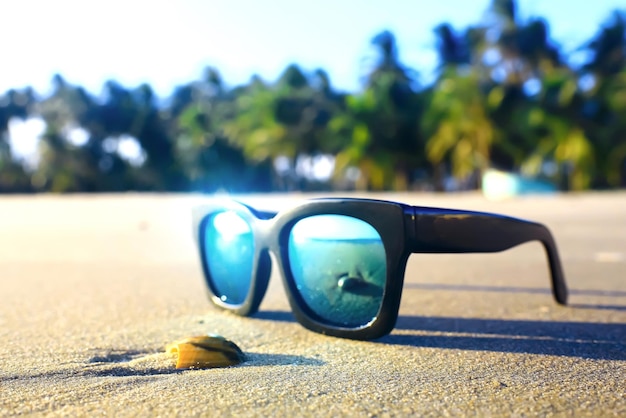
x: 410, y: 229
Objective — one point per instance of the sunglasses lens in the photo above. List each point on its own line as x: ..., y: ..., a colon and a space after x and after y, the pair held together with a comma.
x: 339, y: 267
x: 229, y: 254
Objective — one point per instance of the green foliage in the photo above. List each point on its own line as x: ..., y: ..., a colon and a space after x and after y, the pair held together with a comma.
x: 461, y: 132
x: 505, y: 96
x: 381, y: 124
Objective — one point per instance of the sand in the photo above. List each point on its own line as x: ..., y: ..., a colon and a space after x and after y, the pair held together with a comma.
x: 94, y: 287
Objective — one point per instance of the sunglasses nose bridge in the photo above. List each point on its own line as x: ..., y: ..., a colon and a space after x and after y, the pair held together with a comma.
x: 263, y: 231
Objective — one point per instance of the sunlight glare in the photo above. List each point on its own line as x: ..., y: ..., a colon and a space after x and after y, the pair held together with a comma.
x: 333, y: 227
x: 230, y: 225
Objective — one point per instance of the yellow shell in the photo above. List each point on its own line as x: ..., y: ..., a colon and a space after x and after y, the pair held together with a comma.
x: 205, y: 351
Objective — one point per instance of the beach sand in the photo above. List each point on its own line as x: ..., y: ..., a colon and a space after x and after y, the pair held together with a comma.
x: 92, y: 288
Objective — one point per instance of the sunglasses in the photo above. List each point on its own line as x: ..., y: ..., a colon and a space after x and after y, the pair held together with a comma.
x: 342, y: 261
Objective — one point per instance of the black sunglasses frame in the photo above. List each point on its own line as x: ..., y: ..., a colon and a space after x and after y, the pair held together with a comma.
x: 403, y: 229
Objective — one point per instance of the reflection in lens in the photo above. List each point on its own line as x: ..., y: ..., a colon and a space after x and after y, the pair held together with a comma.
x: 229, y: 254
x: 339, y: 267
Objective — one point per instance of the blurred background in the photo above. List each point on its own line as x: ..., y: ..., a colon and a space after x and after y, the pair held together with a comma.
x: 250, y: 96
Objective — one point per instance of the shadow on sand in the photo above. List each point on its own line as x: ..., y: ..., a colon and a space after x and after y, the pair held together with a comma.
x: 120, y: 365
x: 513, y: 289
x: 590, y: 340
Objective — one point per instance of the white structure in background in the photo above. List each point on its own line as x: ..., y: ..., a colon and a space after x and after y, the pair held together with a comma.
x: 501, y: 185
x: 127, y: 147
x: 76, y: 136
x: 24, y: 140
x: 313, y: 168
x: 25, y: 135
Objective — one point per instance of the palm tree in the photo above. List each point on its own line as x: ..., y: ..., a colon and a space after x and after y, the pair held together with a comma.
x: 381, y: 124
x: 62, y: 166
x: 521, y: 51
x: 285, y: 122
x: 461, y: 132
x: 457, y: 124
x: 535, y: 99
x: 561, y: 138
x: 605, y: 106
x: 210, y: 162
x: 253, y: 127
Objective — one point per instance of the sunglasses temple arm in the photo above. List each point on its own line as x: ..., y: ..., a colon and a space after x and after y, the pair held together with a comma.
x: 452, y: 231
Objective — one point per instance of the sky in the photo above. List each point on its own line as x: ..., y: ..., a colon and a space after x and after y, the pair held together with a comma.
x: 167, y: 43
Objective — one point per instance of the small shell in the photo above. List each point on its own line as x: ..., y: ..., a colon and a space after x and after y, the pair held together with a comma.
x: 204, y: 352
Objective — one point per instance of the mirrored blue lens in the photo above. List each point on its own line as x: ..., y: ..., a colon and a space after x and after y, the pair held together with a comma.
x: 229, y: 254
x: 339, y: 267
